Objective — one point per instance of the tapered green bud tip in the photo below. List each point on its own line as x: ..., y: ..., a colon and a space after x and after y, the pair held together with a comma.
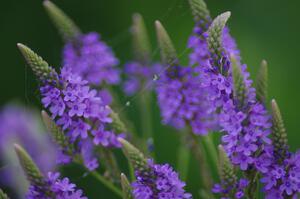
x: 137, y: 17
x: 264, y: 63
x: 18, y: 148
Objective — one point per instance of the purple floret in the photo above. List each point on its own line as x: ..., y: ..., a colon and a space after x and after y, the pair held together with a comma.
x: 92, y: 59
x: 60, y: 188
x: 162, y: 183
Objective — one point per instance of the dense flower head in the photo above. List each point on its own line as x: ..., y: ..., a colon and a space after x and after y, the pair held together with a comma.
x: 182, y: 101
x: 79, y: 110
x: 92, y: 59
x: 162, y: 183
x: 280, y: 178
x: 227, y: 191
x: 61, y: 189
x: 23, y: 126
x: 140, y: 76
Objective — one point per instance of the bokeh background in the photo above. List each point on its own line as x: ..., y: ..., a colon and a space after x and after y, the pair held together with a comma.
x: 267, y: 29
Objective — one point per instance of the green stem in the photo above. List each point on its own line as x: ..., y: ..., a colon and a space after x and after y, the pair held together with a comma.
x: 210, y: 146
x: 107, y: 183
x: 252, y: 176
x: 183, y: 160
x: 112, y: 165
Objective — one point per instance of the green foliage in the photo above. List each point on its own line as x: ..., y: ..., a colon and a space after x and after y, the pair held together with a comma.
x: 167, y: 49
x: 3, y: 195
x: 63, y: 23
x: 40, y: 67
x: 141, y: 42
x: 262, y: 82
x: 126, y: 187
x: 279, y: 135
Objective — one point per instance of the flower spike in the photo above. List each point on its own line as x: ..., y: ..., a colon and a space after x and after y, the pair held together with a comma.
x: 239, y: 90
x: 141, y: 43
x: 63, y: 23
x: 168, y: 52
x: 34, y: 175
x: 199, y: 11
x: 279, y: 135
x: 214, y: 38
x: 227, y: 173
x: 126, y: 187
x: 3, y: 195
x: 262, y: 82
x: 39, y: 66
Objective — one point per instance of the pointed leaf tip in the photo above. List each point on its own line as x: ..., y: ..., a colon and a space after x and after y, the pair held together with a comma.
x: 63, y: 22
x: 168, y: 52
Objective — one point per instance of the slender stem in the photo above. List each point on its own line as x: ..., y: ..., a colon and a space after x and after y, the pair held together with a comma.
x: 112, y: 165
x: 210, y: 146
x: 107, y: 183
x: 183, y: 159
x: 252, y: 176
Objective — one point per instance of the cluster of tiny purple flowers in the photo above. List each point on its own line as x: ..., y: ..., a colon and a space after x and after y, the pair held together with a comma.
x: 80, y: 112
x: 140, y: 77
x: 60, y: 188
x: 92, y: 59
x: 161, y: 183
x: 237, y: 190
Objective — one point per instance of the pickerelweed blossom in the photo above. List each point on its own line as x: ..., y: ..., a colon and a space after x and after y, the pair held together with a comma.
x: 60, y: 188
x: 21, y: 125
x: 92, y: 59
x: 153, y: 181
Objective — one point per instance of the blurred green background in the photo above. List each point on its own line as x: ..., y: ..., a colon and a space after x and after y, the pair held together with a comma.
x: 267, y: 29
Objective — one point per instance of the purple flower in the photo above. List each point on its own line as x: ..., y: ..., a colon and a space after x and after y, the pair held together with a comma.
x: 140, y: 76
x: 162, y: 182
x: 60, y: 188
x: 235, y: 188
x: 23, y: 126
x: 78, y: 110
x: 92, y: 59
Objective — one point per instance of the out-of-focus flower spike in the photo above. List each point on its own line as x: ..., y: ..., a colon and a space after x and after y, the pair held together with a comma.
x: 126, y: 187
x: 135, y: 157
x: 239, y: 87
x: 141, y: 43
x: 34, y: 175
x: 262, y: 82
x: 39, y: 66
x: 226, y: 169
x: 63, y: 23
x: 279, y: 135
x: 3, y: 195
x: 167, y: 49
x: 214, y: 38
x: 57, y: 134
x: 200, y: 11
x: 117, y: 124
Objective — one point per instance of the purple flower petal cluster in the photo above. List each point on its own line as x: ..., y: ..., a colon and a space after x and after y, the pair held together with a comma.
x: 79, y: 110
x: 281, y: 179
x: 140, y: 76
x: 23, y: 126
x: 237, y: 190
x: 162, y: 183
x: 181, y: 100
x: 61, y: 188
x: 92, y: 59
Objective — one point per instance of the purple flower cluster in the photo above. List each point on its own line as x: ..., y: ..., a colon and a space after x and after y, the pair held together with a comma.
x: 237, y: 190
x: 92, y: 59
x: 23, y: 126
x: 80, y: 112
x: 140, y: 76
x: 162, y: 183
x: 281, y: 179
x: 181, y: 100
x: 61, y: 188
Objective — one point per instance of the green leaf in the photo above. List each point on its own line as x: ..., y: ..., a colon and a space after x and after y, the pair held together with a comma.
x: 34, y: 175
x: 136, y: 158
x: 63, y: 23
x: 57, y: 134
x: 279, y: 134
x: 214, y: 39
x: 200, y: 11
x: 262, y: 82
x: 239, y: 90
x: 141, y: 43
x: 3, y: 195
x: 227, y: 173
x: 126, y: 187
x: 167, y: 49
x: 39, y: 66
